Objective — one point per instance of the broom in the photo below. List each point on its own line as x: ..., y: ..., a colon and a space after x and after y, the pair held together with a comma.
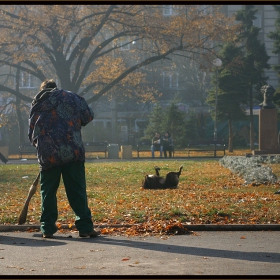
x: 31, y: 192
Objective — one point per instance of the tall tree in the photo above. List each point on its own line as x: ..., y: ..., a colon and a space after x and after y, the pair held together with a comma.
x: 175, y: 124
x: 82, y: 46
x: 232, y: 88
x: 275, y: 36
x: 191, y: 129
x: 19, y: 111
x: 169, y: 119
x: 256, y: 58
x: 156, y: 122
x: 101, y: 50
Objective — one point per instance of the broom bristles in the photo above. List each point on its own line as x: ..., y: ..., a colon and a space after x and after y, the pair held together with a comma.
x: 32, y: 190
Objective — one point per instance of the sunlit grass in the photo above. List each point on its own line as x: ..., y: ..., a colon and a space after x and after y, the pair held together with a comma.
x: 207, y: 193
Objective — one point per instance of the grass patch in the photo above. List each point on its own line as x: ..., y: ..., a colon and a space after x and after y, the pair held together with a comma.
x: 207, y: 193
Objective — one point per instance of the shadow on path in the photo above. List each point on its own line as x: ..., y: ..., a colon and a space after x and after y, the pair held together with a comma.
x: 197, y: 251
x: 269, y: 257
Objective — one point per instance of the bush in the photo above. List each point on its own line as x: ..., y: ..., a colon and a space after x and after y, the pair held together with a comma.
x: 252, y: 169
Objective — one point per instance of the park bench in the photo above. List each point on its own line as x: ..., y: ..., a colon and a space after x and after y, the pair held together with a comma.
x: 206, y: 146
x: 96, y: 147
x: 144, y: 146
x: 26, y: 149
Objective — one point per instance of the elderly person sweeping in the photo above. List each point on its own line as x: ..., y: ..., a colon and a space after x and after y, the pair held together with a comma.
x: 55, y: 122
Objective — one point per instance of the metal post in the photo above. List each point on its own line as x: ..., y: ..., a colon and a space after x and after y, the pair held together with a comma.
x: 113, y: 120
x: 217, y: 63
x: 215, y: 120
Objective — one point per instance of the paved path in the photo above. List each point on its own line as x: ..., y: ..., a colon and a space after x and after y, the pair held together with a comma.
x: 204, y: 253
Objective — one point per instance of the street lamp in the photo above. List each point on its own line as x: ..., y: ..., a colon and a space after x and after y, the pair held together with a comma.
x: 217, y: 63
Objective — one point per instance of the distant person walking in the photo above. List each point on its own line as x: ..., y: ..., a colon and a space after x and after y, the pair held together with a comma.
x: 55, y: 122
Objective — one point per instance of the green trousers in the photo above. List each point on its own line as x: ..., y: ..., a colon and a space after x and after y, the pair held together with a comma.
x: 73, y: 175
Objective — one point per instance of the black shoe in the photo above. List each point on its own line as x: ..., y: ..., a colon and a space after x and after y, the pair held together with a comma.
x: 278, y: 192
x: 93, y: 233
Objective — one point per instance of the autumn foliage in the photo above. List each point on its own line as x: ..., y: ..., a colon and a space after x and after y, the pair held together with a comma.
x: 81, y: 45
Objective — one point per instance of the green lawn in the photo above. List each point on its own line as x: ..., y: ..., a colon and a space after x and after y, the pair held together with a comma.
x: 207, y: 193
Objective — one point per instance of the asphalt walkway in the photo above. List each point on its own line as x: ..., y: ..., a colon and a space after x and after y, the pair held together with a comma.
x: 203, y: 253
x: 229, y: 251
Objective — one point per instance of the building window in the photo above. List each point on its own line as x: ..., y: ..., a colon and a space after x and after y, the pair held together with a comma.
x: 170, y: 79
x: 26, y: 80
x: 125, y: 45
x: 169, y: 10
x: 106, y: 36
x: 205, y: 9
x: 258, y: 21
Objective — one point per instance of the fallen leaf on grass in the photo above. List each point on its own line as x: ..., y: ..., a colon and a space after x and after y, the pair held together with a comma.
x: 201, y: 199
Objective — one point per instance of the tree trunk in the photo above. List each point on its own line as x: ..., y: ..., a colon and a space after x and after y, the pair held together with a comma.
x: 18, y: 111
x: 252, y: 146
x: 230, y: 136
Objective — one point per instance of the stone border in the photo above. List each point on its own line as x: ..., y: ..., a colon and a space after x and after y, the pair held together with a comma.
x: 203, y: 227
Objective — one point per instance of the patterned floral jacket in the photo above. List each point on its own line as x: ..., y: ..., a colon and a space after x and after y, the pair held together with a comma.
x: 55, y: 122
